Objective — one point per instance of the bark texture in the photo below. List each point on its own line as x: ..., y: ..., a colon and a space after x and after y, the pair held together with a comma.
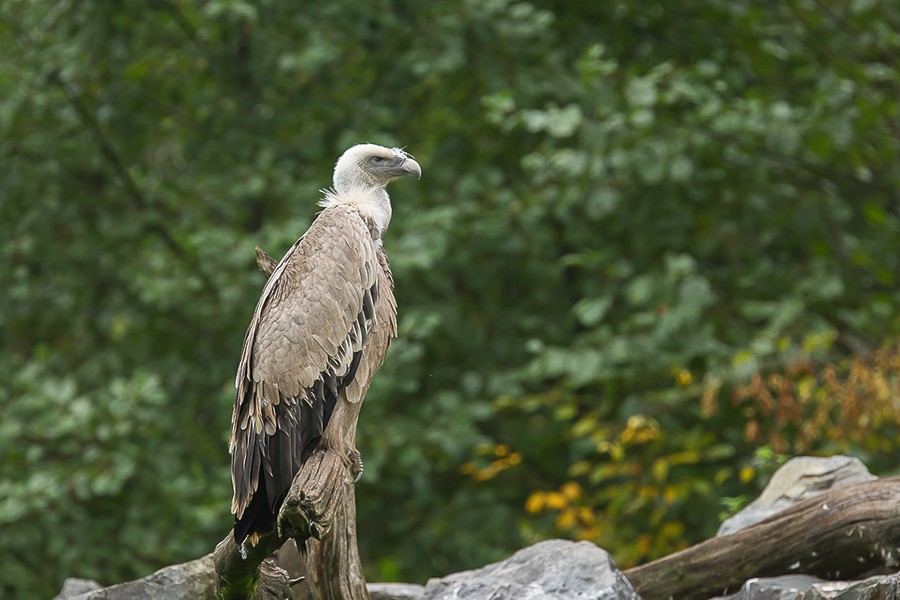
x: 333, y: 565
x: 841, y: 533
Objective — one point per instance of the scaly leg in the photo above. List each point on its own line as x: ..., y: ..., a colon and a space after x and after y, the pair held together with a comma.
x: 356, y: 464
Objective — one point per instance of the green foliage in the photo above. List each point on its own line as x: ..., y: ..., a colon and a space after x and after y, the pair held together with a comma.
x: 628, y: 211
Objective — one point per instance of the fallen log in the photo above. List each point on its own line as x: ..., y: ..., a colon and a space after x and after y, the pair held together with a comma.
x: 841, y: 533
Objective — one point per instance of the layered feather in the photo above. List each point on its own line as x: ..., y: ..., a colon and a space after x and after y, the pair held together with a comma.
x: 306, y: 349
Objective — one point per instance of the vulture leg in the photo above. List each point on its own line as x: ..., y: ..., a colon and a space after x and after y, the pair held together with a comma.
x: 356, y: 464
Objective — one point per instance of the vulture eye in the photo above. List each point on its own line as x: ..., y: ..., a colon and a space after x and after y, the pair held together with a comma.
x: 377, y: 160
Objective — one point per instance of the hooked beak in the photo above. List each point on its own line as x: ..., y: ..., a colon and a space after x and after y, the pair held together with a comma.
x: 410, y: 167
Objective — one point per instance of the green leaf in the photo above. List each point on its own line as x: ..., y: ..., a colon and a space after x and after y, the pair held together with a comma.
x: 641, y: 92
x: 590, y: 311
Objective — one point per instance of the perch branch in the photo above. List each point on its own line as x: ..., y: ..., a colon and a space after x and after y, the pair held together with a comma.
x: 239, y: 577
x: 333, y: 564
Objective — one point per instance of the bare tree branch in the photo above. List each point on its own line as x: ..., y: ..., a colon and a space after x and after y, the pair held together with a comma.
x: 837, y: 534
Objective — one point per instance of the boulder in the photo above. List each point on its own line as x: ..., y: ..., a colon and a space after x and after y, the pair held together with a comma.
x: 783, y: 587
x: 74, y: 587
x: 549, y: 570
x: 193, y: 579
x: 804, y: 587
x: 882, y: 586
x: 395, y: 591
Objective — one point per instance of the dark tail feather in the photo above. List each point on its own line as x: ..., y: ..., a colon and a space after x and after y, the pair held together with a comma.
x: 257, y: 518
x: 301, y: 548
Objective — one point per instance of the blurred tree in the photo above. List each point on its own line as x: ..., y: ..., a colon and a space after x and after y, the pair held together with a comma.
x: 629, y: 209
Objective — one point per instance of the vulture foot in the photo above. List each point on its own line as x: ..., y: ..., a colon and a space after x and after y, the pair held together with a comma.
x: 356, y: 464
x: 292, y: 524
x: 300, y: 523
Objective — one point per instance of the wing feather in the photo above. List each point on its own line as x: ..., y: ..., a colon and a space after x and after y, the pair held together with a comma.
x: 383, y: 313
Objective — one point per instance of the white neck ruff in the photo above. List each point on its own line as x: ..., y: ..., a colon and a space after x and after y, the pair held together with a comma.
x: 373, y: 203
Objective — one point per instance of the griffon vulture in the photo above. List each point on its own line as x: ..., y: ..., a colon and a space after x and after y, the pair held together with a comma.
x: 321, y: 329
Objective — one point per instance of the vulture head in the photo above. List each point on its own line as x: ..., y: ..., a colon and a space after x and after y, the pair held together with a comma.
x: 361, y: 176
x: 371, y: 166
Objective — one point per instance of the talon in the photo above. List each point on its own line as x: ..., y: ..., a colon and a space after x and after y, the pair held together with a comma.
x: 292, y: 526
x: 356, y: 464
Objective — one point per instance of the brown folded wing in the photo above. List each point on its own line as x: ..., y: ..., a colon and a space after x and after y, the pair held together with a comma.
x: 301, y: 353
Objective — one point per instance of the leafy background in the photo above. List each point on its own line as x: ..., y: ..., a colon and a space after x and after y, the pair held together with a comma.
x: 654, y: 252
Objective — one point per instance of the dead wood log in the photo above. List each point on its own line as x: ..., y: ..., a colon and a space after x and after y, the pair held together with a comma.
x: 312, y: 502
x: 841, y: 533
x: 333, y: 565
x: 246, y: 577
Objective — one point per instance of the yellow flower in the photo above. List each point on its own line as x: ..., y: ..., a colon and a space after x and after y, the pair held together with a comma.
x: 566, y: 519
x: 488, y: 472
x: 468, y: 468
x: 535, y: 502
x: 555, y: 500
x: 644, y: 544
x: 684, y: 378
x: 571, y: 490
x: 586, y: 515
x: 670, y: 494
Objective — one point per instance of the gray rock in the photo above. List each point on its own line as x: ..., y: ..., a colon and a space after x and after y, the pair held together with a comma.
x: 785, y: 587
x: 549, y: 570
x: 73, y: 586
x: 195, y: 579
x: 804, y: 587
x: 395, y: 591
x: 798, y: 479
x: 882, y: 587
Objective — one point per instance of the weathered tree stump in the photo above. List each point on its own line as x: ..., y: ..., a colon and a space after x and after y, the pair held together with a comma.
x: 841, y: 533
x: 243, y: 578
x: 333, y: 565
x: 320, y: 512
x: 313, y: 502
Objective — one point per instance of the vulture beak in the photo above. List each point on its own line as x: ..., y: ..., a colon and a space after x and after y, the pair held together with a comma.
x: 410, y: 167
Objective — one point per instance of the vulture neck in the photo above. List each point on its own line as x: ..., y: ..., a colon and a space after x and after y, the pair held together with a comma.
x: 372, y: 203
